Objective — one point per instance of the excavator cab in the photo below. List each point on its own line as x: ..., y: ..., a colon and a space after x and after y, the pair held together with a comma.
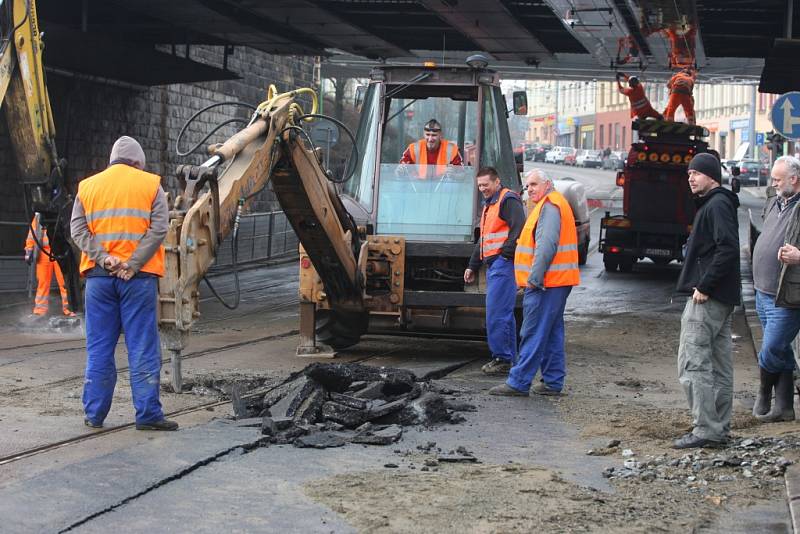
x: 433, y: 209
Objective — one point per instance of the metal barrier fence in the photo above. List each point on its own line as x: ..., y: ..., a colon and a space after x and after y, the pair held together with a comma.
x: 262, y: 236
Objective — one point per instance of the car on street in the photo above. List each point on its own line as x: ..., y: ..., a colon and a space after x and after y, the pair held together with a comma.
x: 753, y: 172
x: 540, y: 150
x: 557, y: 154
x: 569, y: 158
x: 589, y: 158
x: 615, y: 161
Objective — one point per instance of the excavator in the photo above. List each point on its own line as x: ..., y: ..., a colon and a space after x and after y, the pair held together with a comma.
x: 384, y: 247
x: 23, y: 94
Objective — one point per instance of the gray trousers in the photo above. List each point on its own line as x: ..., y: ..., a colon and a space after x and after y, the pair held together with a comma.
x: 705, y: 367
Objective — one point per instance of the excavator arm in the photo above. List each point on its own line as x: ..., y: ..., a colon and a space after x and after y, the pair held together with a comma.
x: 272, y: 148
x: 23, y: 93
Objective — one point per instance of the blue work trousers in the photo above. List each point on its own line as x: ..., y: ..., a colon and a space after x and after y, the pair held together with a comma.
x: 542, y: 339
x: 114, y: 305
x: 780, y: 328
x: 501, y: 296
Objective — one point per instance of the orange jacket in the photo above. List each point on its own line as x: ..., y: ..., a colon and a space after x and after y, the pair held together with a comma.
x: 448, y: 152
x: 494, y: 230
x: 117, y: 202
x: 563, y: 271
x: 681, y: 83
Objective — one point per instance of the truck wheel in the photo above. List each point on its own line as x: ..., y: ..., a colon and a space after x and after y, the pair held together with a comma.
x: 610, y: 264
x: 340, y: 329
x: 626, y: 265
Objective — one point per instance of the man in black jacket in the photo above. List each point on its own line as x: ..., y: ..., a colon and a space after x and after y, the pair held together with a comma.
x: 710, y: 277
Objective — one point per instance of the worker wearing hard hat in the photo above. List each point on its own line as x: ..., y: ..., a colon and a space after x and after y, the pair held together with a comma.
x: 640, y: 105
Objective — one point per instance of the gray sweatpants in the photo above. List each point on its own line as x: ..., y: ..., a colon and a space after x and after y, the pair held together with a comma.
x: 705, y: 367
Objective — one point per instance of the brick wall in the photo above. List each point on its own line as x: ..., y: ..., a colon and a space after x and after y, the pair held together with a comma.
x: 91, y: 115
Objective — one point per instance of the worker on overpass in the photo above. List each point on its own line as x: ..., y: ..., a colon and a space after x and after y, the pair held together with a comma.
x: 119, y: 221
x: 640, y: 105
x: 501, y: 223
x: 37, y: 250
x: 432, y: 150
x: 681, y: 86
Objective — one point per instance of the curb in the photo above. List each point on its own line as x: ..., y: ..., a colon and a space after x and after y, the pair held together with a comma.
x: 792, y: 478
x: 749, y: 300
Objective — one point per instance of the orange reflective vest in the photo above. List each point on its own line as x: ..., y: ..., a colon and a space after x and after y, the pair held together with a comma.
x: 563, y: 271
x: 117, y: 202
x: 41, y: 236
x: 447, y: 151
x: 681, y: 83
x: 494, y: 230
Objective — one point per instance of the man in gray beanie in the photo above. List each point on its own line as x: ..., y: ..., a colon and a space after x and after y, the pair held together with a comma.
x: 710, y: 279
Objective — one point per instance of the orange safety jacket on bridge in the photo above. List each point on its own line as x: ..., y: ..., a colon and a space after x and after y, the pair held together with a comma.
x: 680, y: 87
x: 563, y: 270
x: 494, y: 230
x: 640, y: 105
x: 447, y: 155
x: 118, y: 202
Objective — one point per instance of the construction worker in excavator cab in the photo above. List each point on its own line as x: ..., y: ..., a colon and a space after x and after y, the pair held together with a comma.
x: 432, y: 150
x: 681, y: 86
x: 640, y: 105
x: 37, y: 251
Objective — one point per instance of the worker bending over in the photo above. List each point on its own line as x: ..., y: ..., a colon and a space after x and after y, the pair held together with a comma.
x: 681, y: 86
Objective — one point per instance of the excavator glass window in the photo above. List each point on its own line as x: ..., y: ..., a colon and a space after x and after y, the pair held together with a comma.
x: 360, y: 185
x: 419, y: 197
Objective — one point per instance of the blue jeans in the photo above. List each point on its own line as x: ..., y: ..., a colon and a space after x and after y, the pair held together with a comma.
x: 501, y: 296
x: 780, y: 328
x: 542, y: 339
x: 114, y: 305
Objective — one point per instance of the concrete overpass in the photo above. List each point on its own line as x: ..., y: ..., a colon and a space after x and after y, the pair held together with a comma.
x: 144, y: 42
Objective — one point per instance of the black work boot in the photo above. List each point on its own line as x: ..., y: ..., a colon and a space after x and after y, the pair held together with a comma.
x: 783, y: 409
x: 164, y: 424
x: 764, y: 397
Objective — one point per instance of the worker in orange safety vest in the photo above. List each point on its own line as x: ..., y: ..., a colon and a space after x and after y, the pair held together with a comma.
x: 681, y: 86
x: 546, y: 267
x: 640, y: 105
x: 432, y: 150
x: 37, y: 250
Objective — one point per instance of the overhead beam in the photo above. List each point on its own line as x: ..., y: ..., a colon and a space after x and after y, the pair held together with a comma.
x: 490, y: 25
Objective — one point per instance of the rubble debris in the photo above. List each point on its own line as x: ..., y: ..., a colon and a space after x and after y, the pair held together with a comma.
x: 327, y: 405
x: 762, y: 459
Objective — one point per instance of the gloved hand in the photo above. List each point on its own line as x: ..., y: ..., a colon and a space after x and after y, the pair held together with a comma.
x: 28, y: 257
x: 620, y: 75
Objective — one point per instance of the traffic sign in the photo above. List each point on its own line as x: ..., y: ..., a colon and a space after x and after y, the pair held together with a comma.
x: 745, y: 135
x: 759, y: 138
x: 785, y: 115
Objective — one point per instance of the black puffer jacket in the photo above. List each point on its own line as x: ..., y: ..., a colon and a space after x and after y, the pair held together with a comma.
x: 711, y: 262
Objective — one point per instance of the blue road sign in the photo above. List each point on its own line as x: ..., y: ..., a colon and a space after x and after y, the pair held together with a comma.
x: 745, y: 135
x: 785, y: 115
x: 759, y: 138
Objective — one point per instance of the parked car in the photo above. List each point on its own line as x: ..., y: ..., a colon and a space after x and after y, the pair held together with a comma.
x: 570, y: 157
x: 589, y: 158
x: 540, y: 150
x: 557, y: 154
x: 753, y: 172
x: 529, y: 149
x: 615, y: 161
x: 519, y: 153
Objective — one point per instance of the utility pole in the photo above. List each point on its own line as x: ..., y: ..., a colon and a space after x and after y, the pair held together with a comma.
x: 752, y: 126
